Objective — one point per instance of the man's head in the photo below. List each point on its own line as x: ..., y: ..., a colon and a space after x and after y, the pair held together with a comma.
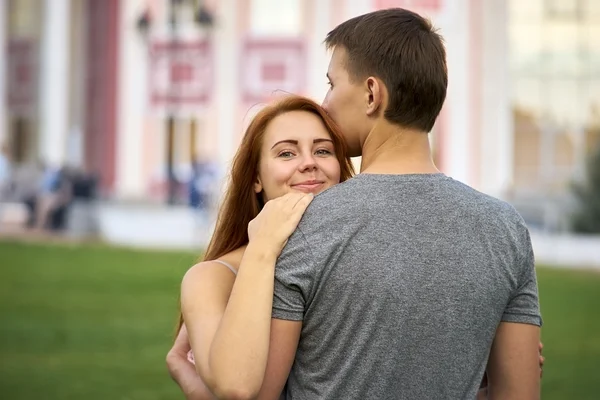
x: 388, y: 65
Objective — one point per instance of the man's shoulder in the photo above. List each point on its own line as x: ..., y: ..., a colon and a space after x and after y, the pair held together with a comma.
x: 486, y: 204
x: 333, y: 201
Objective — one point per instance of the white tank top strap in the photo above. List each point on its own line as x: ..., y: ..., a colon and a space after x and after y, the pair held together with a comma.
x: 227, y: 265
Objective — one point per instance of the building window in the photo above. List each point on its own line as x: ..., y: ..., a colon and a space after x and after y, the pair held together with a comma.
x: 563, y: 9
x: 276, y: 17
x: 554, y: 59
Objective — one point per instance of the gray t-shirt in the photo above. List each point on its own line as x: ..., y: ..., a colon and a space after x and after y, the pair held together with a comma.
x: 401, y: 282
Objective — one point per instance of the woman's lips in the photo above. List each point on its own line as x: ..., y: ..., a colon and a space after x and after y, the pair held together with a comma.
x: 309, y: 186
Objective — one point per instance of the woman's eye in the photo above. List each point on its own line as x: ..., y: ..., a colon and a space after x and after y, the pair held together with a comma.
x: 285, y: 154
x: 323, y: 152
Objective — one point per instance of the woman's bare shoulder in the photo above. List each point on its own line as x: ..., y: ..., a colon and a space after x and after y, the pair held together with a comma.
x: 229, y: 263
x: 234, y: 258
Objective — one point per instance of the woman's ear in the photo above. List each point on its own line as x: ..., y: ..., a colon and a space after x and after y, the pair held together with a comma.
x: 258, y: 185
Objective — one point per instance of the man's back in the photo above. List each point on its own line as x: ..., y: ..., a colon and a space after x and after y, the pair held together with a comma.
x: 401, y: 282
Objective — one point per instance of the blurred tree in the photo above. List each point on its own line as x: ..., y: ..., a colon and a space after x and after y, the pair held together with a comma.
x: 587, y: 217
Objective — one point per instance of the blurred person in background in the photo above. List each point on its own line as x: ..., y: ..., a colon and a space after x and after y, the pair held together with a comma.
x: 27, y: 185
x: 201, y: 189
x: 6, y: 180
x: 50, y: 204
x: 236, y: 341
x: 5, y: 171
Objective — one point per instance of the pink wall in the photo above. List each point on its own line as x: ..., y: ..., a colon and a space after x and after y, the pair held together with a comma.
x: 101, y: 90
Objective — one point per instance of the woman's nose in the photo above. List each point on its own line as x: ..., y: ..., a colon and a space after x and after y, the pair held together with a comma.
x: 308, y: 163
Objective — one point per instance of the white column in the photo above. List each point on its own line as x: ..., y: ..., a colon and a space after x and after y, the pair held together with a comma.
x: 226, y: 42
x: 317, y: 56
x: 54, y: 77
x: 3, y: 58
x: 457, y: 151
x: 497, y: 141
x: 354, y: 8
x: 131, y: 100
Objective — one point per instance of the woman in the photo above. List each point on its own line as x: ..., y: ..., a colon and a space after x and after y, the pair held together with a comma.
x: 290, y: 151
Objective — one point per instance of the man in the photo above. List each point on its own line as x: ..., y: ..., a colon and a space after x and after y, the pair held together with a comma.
x: 401, y: 283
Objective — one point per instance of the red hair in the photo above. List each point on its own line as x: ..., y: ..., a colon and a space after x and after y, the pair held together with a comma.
x: 241, y: 204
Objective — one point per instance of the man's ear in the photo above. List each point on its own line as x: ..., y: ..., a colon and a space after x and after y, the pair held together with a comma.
x: 375, y: 95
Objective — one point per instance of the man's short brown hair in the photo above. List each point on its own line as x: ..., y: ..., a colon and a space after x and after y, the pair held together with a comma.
x: 403, y: 50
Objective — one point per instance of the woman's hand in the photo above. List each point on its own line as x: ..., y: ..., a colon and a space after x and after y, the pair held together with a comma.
x: 278, y: 220
x: 542, y: 359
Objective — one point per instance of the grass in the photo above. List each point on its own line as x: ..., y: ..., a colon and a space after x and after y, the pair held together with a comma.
x: 95, y: 322
x: 87, y: 322
x: 570, y: 302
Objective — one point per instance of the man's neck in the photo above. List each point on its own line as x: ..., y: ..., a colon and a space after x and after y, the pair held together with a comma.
x: 389, y: 149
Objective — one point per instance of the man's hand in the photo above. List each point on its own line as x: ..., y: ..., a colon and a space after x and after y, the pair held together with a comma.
x: 183, y: 372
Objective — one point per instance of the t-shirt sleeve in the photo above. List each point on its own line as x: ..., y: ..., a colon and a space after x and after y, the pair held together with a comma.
x: 523, y: 306
x: 293, y: 278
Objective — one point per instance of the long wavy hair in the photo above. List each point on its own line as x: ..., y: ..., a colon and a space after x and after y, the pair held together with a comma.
x: 241, y: 204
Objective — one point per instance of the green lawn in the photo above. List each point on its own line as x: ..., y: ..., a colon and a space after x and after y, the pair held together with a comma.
x: 87, y: 322
x: 93, y: 322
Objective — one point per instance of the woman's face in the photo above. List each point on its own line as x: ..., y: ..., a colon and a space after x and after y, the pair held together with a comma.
x: 297, y: 155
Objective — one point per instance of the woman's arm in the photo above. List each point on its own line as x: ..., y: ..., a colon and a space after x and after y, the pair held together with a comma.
x: 227, y: 333
x: 229, y: 320
x: 183, y: 372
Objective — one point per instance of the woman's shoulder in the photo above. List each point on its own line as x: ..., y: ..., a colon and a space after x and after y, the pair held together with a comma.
x: 233, y: 258
x: 210, y: 279
x: 229, y: 262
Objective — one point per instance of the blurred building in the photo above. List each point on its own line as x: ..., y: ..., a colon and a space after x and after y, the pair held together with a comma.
x: 115, y: 87
x: 555, y: 102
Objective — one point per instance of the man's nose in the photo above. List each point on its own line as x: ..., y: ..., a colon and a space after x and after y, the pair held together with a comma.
x: 325, y: 104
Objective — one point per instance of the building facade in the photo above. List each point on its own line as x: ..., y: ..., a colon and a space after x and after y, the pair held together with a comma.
x: 115, y: 87
x: 555, y: 100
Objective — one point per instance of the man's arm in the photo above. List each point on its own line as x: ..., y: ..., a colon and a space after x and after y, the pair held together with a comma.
x: 514, y: 364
